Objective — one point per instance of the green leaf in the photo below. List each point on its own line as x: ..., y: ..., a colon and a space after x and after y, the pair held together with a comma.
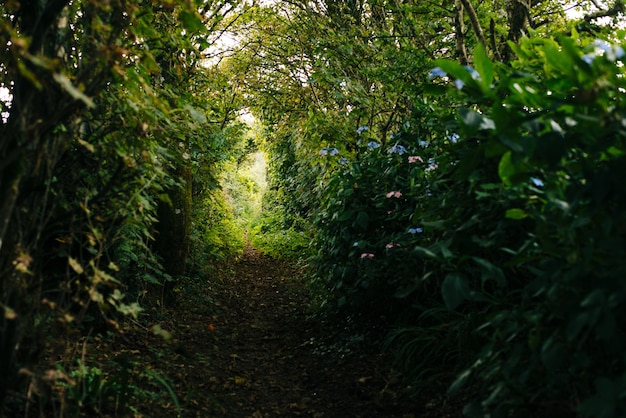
x: 426, y: 252
x: 191, y: 21
x: 72, y: 90
x: 516, y: 214
x: 483, y: 65
x: 455, y: 70
x: 196, y: 114
x: 506, y: 169
x: 454, y: 290
x: 345, y: 216
x: 475, y: 120
x: 490, y: 271
x: 362, y: 220
x: 553, y: 354
x: 460, y: 381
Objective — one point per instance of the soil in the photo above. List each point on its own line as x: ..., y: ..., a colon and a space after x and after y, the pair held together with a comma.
x: 246, y: 343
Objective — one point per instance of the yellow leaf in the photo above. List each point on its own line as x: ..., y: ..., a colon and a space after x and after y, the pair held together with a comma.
x: 66, y: 84
x: 22, y: 262
x: 87, y: 145
x: 157, y: 330
x: 239, y: 380
x: 9, y: 313
x: 75, y: 265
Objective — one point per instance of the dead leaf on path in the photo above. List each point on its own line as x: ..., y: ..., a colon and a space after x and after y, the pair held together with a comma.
x: 239, y: 380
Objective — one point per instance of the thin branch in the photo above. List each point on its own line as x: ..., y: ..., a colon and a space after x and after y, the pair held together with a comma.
x: 478, y: 30
x: 461, y: 51
x: 616, y: 9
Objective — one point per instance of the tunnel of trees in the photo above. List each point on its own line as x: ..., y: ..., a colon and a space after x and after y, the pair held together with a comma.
x: 453, y: 167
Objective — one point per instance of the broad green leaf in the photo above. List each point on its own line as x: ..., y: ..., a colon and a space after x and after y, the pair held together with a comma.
x: 552, y: 354
x: 191, y: 21
x: 426, y: 252
x: 475, y: 120
x: 506, y: 169
x: 454, y: 290
x: 345, y: 215
x: 516, y: 214
x: 490, y: 271
x: 483, y: 65
x: 362, y: 220
x: 558, y: 60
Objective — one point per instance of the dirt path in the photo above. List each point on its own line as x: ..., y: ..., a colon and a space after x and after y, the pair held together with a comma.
x: 244, y: 345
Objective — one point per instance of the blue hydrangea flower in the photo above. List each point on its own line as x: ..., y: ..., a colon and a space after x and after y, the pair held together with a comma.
x: 397, y: 149
x: 415, y: 230
x: 423, y: 144
x: 329, y: 151
x: 537, y: 182
x: 611, y: 52
x: 361, y: 129
x: 343, y: 161
x: 475, y: 75
x: 459, y: 84
x: 453, y: 137
x: 437, y: 72
x: 588, y: 58
x: 603, y: 45
x: 372, y: 145
x: 432, y: 165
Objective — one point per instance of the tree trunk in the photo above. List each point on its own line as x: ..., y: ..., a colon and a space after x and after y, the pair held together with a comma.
x: 172, y: 237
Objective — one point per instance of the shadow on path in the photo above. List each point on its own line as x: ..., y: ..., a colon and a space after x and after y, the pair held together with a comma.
x: 245, y: 345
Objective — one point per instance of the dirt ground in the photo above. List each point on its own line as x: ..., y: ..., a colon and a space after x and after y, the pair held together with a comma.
x: 245, y: 343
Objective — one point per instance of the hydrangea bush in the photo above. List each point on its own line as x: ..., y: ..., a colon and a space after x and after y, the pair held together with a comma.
x: 510, y: 218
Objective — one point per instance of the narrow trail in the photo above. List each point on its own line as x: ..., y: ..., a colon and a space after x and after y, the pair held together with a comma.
x: 245, y: 345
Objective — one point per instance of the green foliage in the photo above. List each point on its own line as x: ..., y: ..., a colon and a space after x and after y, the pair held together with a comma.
x: 280, y: 235
x: 105, y: 103
x: 366, y: 219
x: 227, y: 199
x: 529, y: 219
x: 90, y: 390
x: 556, y: 143
x: 123, y: 387
x: 516, y: 214
x: 216, y: 235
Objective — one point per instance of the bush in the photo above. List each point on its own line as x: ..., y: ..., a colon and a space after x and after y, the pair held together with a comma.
x: 510, y: 214
x: 551, y: 127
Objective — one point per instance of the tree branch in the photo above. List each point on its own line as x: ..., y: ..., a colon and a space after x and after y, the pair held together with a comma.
x: 473, y: 17
x: 614, y: 10
x: 461, y: 51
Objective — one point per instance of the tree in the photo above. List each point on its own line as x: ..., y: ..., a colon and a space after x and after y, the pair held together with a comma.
x: 99, y: 101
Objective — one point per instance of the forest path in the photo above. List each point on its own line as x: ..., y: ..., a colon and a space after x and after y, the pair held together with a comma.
x: 245, y: 345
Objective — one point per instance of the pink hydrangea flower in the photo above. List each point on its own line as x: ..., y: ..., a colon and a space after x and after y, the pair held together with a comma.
x: 395, y: 194
x: 367, y: 255
x: 415, y: 158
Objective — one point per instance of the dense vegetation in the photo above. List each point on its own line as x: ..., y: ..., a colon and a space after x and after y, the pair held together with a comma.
x: 457, y: 166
